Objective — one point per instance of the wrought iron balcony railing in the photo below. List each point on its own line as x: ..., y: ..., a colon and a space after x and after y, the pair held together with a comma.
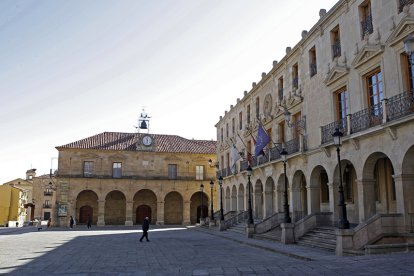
x: 48, y: 193
x: 400, y: 105
x: 336, y: 49
x: 366, y: 26
x: 329, y: 129
x: 47, y: 206
x: 366, y: 118
x: 403, y: 3
x: 292, y: 146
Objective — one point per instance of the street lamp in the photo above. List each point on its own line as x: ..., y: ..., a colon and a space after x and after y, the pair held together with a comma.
x: 343, y: 221
x: 211, y: 199
x: 221, y: 198
x: 249, y: 174
x: 287, y: 218
x: 201, y: 194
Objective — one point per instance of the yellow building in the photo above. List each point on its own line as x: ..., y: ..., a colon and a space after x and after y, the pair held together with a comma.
x: 12, y: 202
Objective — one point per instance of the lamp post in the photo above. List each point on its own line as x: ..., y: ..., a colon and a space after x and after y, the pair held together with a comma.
x: 287, y: 218
x: 211, y: 199
x: 249, y: 174
x: 343, y: 220
x: 201, y: 195
x: 221, y: 198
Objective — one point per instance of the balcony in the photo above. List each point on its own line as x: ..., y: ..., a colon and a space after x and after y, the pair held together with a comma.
x: 336, y: 49
x: 47, y: 206
x: 403, y: 3
x: 48, y: 193
x: 366, y: 26
x: 388, y: 110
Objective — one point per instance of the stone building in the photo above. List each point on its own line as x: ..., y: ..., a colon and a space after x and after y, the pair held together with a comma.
x: 12, y: 210
x: 349, y: 71
x: 121, y: 178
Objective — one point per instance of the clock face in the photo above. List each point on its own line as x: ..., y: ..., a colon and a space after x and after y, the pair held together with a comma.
x: 147, y: 140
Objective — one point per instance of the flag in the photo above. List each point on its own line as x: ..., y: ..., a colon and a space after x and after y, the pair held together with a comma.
x: 249, y: 158
x: 262, y: 140
x: 235, y: 156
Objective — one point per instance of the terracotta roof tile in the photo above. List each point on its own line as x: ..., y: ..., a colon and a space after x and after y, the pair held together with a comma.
x: 127, y: 142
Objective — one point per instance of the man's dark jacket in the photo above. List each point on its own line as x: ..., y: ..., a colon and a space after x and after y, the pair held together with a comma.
x: 145, y: 225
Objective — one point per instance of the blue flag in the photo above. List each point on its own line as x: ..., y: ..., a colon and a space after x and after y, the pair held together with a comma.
x: 262, y: 140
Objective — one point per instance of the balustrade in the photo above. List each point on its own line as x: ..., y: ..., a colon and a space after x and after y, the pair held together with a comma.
x: 400, y: 105
x: 366, y: 26
x: 366, y: 118
x: 329, y: 129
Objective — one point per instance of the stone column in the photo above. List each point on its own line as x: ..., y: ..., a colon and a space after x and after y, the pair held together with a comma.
x: 186, y: 213
x: 128, y: 221
x: 404, y: 189
x: 101, y: 213
x: 366, y: 198
x: 314, y: 199
x: 160, y: 212
x: 344, y: 241
x: 295, y: 203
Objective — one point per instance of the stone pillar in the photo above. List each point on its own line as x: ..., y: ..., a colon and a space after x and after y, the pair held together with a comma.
x: 101, y: 213
x: 186, y: 211
x: 295, y: 202
x: 160, y: 213
x: 344, y: 241
x: 314, y: 199
x: 288, y: 234
x: 128, y: 211
x: 366, y: 199
x: 404, y: 189
x: 333, y: 201
x: 250, y: 230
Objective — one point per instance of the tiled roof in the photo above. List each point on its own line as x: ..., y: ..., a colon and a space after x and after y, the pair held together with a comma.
x: 128, y: 141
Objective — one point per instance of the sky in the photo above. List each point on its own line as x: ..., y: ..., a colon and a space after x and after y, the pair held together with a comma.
x: 73, y: 69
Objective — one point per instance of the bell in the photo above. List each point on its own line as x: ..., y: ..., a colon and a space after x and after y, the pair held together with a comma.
x: 143, y: 125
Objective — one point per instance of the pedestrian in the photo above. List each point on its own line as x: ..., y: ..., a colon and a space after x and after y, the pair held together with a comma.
x: 39, y: 224
x: 145, y: 228
x: 49, y: 223
x: 71, y: 222
x: 89, y: 222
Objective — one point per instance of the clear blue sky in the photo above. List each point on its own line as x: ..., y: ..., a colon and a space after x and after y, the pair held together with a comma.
x: 72, y: 69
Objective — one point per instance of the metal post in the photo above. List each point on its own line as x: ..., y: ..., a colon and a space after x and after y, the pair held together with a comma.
x: 250, y: 220
x: 287, y: 218
x: 343, y: 220
x: 211, y: 199
x: 221, y: 198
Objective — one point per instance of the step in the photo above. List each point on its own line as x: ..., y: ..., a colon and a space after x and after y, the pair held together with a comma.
x: 316, y: 240
x: 317, y: 245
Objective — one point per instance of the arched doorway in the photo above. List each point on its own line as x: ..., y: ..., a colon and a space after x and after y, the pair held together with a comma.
x: 234, y: 198
x: 142, y: 212
x: 173, y: 208
x: 269, y: 197
x: 299, y: 196
x: 405, y: 184
x: 87, y: 204
x: 85, y: 212
x: 241, y: 198
x: 258, y: 200
x: 115, y: 208
x: 227, y: 201
x: 196, y: 209
x: 147, y: 200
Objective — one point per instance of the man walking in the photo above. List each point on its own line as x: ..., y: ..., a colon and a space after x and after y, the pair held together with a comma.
x: 89, y: 222
x: 145, y: 228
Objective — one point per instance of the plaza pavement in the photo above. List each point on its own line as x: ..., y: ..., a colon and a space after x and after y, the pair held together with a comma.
x: 175, y: 251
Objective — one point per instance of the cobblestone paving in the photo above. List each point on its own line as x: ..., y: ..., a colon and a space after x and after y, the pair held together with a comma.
x: 173, y: 251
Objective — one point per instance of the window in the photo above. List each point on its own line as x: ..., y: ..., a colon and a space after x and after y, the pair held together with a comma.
x: 282, y: 132
x: 342, y: 109
x: 240, y: 121
x: 312, y: 62
x: 227, y: 130
x: 407, y: 73
x: 116, y: 170
x: 87, y: 169
x: 222, y: 135
x: 336, y: 43
x: 47, y: 204
x: 295, y: 76
x: 374, y: 88
x: 199, y: 172
x: 248, y: 114
x: 46, y: 215
x: 280, y: 88
x: 366, y: 19
x: 233, y: 126
x: 172, y: 171
x: 257, y: 108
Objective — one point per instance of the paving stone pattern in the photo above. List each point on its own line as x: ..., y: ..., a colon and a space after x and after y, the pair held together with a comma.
x: 175, y: 251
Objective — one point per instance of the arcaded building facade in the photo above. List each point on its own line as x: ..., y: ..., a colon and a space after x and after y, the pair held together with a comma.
x: 121, y: 178
x: 349, y: 71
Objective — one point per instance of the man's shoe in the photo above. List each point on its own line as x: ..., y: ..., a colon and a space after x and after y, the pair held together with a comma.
x: 148, y: 240
x: 140, y: 240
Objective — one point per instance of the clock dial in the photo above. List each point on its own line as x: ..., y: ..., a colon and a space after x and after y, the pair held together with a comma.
x: 147, y: 140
